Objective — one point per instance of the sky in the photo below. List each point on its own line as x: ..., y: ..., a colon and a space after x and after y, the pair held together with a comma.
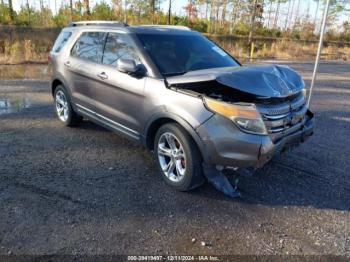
x: 178, y: 5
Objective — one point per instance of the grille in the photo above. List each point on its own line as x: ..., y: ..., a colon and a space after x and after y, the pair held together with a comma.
x: 285, y: 118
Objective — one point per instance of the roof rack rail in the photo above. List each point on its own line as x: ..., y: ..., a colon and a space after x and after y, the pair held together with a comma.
x: 109, y: 23
x: 180, y: 27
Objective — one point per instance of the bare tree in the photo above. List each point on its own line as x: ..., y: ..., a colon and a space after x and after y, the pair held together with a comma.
x: 316, y: 12
x: 206, y: 9
x: 87, y: 6
x: 252, y: 20
x: 169, y: 12
x: 236, y: 10
x: 56, y: 6
x: 297, y: 14
x: 12, y: 16
x: 217, y: 10
x: 277, y: 13
x: 270, y: 12
x: 287, y: 16
x: 212, y: 16
x: 71, y: 8
x: 153, y: 6
x: 125, y: 11
x: 291, y: 14
x: 116, y: 6
x: 191, y: 10
x: 28, y: 9
x: 224, y: 10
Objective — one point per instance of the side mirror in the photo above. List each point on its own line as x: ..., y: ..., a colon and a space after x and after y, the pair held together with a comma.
x: 129, y: 66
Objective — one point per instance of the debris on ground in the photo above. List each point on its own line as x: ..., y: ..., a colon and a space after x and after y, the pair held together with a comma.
x: 220, y: 181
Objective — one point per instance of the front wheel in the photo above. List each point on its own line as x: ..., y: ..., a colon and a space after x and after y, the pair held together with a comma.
x: 178, y: 157
x: 64, y: 109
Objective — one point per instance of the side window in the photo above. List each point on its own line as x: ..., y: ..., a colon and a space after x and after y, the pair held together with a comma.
x: 119, y: 46
x: 89, y: 46
x: 60, y: 41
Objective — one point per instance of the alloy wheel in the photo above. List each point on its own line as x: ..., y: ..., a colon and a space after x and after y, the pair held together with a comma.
x: 62, y: 106
x: 171, y: 156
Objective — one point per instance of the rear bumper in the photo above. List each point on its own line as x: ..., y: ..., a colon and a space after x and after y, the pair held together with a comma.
x: 227, y: 146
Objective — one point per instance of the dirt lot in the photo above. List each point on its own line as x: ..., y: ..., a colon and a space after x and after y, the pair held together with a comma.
x: 88, y: 191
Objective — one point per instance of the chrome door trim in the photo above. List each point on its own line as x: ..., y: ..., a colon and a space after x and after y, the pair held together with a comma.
x: 112, y: 124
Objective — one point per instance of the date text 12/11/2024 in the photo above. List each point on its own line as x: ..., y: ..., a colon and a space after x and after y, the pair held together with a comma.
x: 173, y: 258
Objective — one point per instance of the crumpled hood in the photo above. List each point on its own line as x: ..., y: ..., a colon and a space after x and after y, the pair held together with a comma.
x: 260, y: 80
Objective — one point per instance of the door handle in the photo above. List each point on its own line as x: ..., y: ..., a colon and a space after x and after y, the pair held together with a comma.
x: 67, y: 64
x: 102, y: 75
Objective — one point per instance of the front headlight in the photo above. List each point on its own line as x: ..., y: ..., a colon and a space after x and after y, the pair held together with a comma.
x: 246, y: 117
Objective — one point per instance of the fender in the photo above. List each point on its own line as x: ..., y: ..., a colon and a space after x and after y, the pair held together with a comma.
x: 181, y: 121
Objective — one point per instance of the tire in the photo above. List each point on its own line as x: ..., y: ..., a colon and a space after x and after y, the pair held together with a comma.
x: 188, y: 166
x: 64, y: 109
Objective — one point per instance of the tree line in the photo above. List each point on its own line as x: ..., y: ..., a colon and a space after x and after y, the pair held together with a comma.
x: 266, y: 18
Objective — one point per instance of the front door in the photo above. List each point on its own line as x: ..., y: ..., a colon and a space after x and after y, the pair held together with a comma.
x: 119, y: 96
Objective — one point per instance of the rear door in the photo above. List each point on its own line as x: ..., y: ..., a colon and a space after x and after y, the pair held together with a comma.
x: 82, y: 68
x: 119, y: 96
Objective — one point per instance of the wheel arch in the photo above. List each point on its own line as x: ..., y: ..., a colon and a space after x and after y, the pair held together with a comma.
x: 58, y: 80
x: 55, y: 83
x: 157, y: 121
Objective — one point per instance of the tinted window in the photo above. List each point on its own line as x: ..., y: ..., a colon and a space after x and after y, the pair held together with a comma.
x: 119, y: 46
x: 60, y: 41
x: 89, y: 46
x: 178, y: 54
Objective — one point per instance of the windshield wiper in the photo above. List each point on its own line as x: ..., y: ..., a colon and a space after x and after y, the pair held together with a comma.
x: 175, y: 73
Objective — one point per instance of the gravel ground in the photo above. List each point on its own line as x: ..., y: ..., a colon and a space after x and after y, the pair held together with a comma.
x: 88, y: 191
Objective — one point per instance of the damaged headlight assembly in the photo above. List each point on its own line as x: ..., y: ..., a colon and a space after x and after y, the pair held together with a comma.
x: 245, y: 116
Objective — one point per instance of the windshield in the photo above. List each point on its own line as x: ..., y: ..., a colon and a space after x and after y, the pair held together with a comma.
x: 178, y: 54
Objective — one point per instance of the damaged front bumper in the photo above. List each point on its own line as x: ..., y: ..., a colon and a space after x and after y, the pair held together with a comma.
x: 269, y: 150
x: 227, y: 146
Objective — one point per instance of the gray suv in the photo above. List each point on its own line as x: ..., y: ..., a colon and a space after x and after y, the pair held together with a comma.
x: 180, y: 95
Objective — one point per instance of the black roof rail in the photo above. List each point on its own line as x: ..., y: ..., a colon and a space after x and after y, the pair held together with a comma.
x: 104, y: 23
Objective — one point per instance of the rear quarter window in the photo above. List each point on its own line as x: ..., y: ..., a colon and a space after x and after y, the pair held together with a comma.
x: 60, y: 41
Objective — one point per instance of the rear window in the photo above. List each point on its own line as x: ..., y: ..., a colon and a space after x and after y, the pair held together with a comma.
x: 89, y: 46
x: 61, y: 40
